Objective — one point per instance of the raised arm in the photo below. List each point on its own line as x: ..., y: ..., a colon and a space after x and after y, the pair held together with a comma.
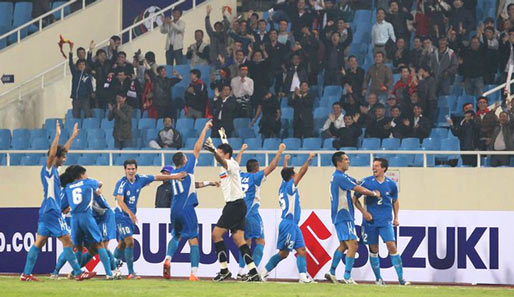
x: 203, y: 184
x: 178, y: 176
x: 53, y: 149
x: 298, y: 177
x: 72, y: 137
x: 220, y: 159
x: 241, y: 151
x: 211, y: 148
x: 274, y: 163
x: 201, y: 139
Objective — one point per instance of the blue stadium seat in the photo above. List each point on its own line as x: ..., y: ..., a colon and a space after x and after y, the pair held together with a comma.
x: 186, y: 123
x: 149, y: 134
x: 312, y: 143
x: 321, y: 113
x: 200, y: 123
x: 450, y: 145
x: 399, y: 161
x: 107, y: 124
x: 136, y: 114
x: 69, y: 123
x: 245, y: 132
x: 461, y: 101
x: 90, y: 123
x: 326, y: 160
x: 21, y: 15
x: 235, y: 143
x: 287, y: 113
x: 333, y: 91
x: 360, y: 161
x: 50, y: 124
x: 299, y: 159
x: 439, y: 133
x: 391, y: 144
x: 242, y: 122
x: 145, y: 159
x: 103, y: 160
x: 72, y: 159
x: 245, y: 159
x: 328, y: 144
x: 271, y: 144
x: 182, y: 69
x: 261, y: 158
x: 94, y: 133
x: 42, y: 133
x: 98, y: 113
x: 6, y: 16
x: 292, y: 143
x: 216, y: 141
x: 57, y: 14
x: 30, y: 160
x: 96, y: 143
x: 5, y: 138
x: 16, y: 159
x: 178, y: 91
x: 188, y: 132
x: 431, y: 144
x: 80, y: 142
x: 87, y: 159
x: 39, y: 143
x: 190, y: 143
x: 410, y: 144
x: 447, y: 101
x: 253, y: 143
x: 146, y: 123
x: 371, y: 143
x: 19, y: 139
x: 205, y: 160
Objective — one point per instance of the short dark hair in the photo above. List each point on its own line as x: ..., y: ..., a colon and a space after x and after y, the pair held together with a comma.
x: 417, y: 105
x: 80, y: 61
x: 252, y: 165
x: 160, y: 68
x: 115, y: 38
x: 178, y: 159
x: 196, y: 72
x: 150, y: 56
x: 484, y: 98
x: 417, y: 37
x: 121, y: 94
x: 509, y: 6
x: 396, y: 107
x: 98, y: 52
x: 393, y: 1
x: 426, y: 68
x: 380, y: 10
x: 122, y: 53
x: 71, y: 174
x: 472, y: 113
x: 403, y: 67
x: 351, y: 56
x: 287, y: 173
x: 226, y: 148
x: 177, y: 9
x: 80, y: 49
x: 336, y: 103
x: 466, y: 104
x: 383, y: 163
x: 379, y: 106
x: 198, y: 30
x: 337, y: 157
x: 379, y: 53
x: 129, y: 162
x: 262, y: 21
x: 60, y: 152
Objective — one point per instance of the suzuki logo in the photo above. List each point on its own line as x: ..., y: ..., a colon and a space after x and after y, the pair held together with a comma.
x: 316, y: 256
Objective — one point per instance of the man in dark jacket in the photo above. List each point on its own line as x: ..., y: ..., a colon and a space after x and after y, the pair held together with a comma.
x: 164, y: 194
x: 225, y: 107
x: 119, y: 82
x: 295, y: 74
x: 303, y: 103
x: 427, y: 92
x: 468, y: 132
x: 347, y: 136
x: 218, y: 37
x: 81, y: 87
x: 501, y: 139
x: 334, y: 60
x: 121, y: 64
x: 353, y: 79
x: 461, y: 19
x: 121, y: 114
x: 377, y: 127
x: 100, y: 68
x: 419, y: 126
x: 277, y: 53
x: 398, y: 18
x: 196, y: 96
x: 168, y: 137
x: 162, y: 93
x: 472, y: 67
x: 270, y: 124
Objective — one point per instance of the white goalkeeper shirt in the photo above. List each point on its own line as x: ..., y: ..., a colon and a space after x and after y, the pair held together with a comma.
x: 231, y: 181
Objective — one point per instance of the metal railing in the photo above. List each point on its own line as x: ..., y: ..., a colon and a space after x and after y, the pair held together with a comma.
x: 269, y: 154
x: 38, y: 81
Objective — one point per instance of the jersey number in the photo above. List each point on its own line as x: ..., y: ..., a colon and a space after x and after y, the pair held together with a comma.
x: 177, y: 187
x: 245, y: 187
x: 77, y: 195
x: 282, y: 201
x: 379, y: 202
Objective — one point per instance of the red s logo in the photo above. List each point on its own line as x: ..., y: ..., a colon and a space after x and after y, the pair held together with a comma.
x: 317, y: 256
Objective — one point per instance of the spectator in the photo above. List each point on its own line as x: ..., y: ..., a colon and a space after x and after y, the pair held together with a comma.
x: 468, y: 131
x: 334, y: 60
x: 243, y: 88
x: 437, y: 12
x: 218, y: 37
x: 168, y: 137
x: 501, y: 139
x: 134, y: 93
x: 138, y: 63
x: 277, y: 59
x: 150, y: 61
x: 270, y: 124
x: 348, y: 135
x: 328, y: 15
x: 261, y: 36
x: 100, y: 70
x: 174, y: 30
x: 390, y: 103
x: 363, y: 118
x: 405, y: 86
x: 491, y: 54
x: 239, y: 60
x: 81, y: 87
x: 81, y: 53
x: 381, y: 33
x: 353, y: 79
x: 164, y: 194
x: 419, y: 126
x: 407, y: 106
x: 377, y: 126
x: 444, y: 64
x: 300, y: 17
x: 254, y: 22
x: 372, y: 104
x: 350, y: 105
x: 303, y: 103
x: 415, y: 54
x: 121, y: 113
x: 285, y: 37
x: 401, y: 53
x: 398, y: 19
x: 112, y: 49
x: 148, y: 91
x: 336, y: 119
x: 196, y: 96
x: 259, y: 72
x: 421, y: 21
x: 345, y: 10
x: 242, y: 35
x: 428, y: 50
x: 427, y: 91
x: 198, y: 52
x: 294, y: 75
x: 487, y: 120
x: 461, y: 19
x: 122, y: 65
x: 396, y: 127
x: 507, y: 52
x: 224, y: 79
x: 473, y: 65
x: 120, y: 84
x: 162, y: 92
x: 506, y: 18
x: 308, y: 46
x: 345, y: 33
x: 225, y: 107
x: 379, y: 77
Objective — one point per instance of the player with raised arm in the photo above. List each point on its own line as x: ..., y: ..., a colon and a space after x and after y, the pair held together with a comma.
x: 183, y: 215
x: 127, y: 192
x: 234, y: 212
x: 251, y: 182
x: 79, y: 192
x: 289, y: 234
x: 342, y: 213
x: 378, y: 220
x: 51, y: 222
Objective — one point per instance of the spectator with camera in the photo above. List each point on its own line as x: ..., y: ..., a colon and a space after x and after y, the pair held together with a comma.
x: 468, y: 131
x: 243, y: 88
x: 198, y: 52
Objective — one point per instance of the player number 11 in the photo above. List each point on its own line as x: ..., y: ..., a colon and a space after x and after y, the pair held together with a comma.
x: 177, y: 185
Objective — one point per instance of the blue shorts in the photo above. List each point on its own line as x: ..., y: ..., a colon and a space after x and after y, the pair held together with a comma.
x: 346, y: 231
x: 124, y: 226
x: 254, y: 227
x: 369, y: 234
x: 185, y: 223
x: 84, y: 229
x: 289, y: 236
x: 52, y: 224
x: 107, y: 225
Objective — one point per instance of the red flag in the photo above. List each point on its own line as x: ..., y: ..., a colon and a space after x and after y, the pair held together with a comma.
x: 61, y: 42
x: 228, y: 8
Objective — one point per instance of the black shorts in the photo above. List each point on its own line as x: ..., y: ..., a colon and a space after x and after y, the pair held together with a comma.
x: 233, y: 216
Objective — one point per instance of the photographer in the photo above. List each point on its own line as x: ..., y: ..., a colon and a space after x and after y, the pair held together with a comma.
x: 242, y: 87
x: 303, y: 103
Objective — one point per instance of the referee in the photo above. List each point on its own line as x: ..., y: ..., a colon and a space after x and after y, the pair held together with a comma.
x: 234, y: 212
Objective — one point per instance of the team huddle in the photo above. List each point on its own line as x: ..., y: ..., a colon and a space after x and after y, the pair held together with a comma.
x: 75, y: 211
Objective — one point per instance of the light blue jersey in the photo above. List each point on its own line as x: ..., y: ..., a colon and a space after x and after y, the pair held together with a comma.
x: 251, y: 183
x: 290, y: 201
x: 341, y: 185
x: 80, y: 195
x: 184, y: 192
x: 52, y: 191
x: 130, y: 191
x: 380, y: 208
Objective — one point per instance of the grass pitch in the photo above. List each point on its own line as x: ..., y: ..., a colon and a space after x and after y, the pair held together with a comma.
x: 11, y: 286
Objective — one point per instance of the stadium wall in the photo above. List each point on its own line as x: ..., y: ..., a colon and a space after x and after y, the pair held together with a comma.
x: 420, y: 189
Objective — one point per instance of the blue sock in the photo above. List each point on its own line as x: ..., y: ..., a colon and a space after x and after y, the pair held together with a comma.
x: 273, y: 262
x: 78, y: 256
x: 104, y: 257
x: 335, y: 261
x: 172, y: 247
x: 129, y: 257
x: 117, y: 254
x: 257, y: 254
x: 60, y: 263
x: 70, y: 257
x: 195, y: 256
x: 375, y: 264
x: 348, y: 267
x: 31, y: 260
x: 86, y: 257
x: 111, y: 259
x: 301, y: 262
x: 398, y: 266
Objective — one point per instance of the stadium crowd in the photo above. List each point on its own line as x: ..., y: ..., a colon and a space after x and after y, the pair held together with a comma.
x: 423, y: 55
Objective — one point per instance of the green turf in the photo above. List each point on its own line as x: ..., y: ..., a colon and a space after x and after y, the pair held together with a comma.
x: 11, y: 286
